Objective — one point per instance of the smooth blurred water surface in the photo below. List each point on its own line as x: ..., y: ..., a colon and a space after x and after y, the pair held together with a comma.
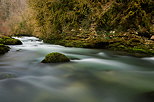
x: 92, y: 75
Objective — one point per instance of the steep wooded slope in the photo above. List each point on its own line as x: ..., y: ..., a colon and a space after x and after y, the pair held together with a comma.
x: 56, y: 19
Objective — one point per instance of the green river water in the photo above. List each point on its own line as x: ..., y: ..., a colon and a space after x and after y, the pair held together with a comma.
x: 93, y: 75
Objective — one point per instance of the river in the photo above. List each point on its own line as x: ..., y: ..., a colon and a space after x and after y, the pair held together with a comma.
x: 93, y: 75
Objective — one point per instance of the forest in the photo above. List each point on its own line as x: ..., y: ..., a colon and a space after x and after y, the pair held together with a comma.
x: 112, y: 24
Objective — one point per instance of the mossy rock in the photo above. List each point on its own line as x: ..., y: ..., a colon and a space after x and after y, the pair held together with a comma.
x: 9, y: 41
x: 55, y: 58
x: 6, y: 76
x: 131, y: 44
x: 4, y: 49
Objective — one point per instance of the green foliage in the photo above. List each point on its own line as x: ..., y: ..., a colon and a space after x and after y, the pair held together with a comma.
x: 126, y: 14
x: 55, y: 58
x: 56, y: 18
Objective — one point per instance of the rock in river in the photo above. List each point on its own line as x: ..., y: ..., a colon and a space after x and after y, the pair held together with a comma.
x: 6, y: 75
x: 9, y: 41
x: 55, y: 57
x: 4, y: 49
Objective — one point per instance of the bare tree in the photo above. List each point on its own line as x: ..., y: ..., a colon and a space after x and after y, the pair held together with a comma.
x: 11, y: 12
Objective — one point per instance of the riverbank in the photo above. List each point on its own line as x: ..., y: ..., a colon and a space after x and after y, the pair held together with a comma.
x: 126, y: 43
x: 116, y: 25
x: 122, y: 43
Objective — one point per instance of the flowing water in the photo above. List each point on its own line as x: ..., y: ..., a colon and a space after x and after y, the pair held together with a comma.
x: 92, y: 75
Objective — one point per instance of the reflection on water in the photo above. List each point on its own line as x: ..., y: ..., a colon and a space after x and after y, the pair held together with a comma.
x: 91, y: 76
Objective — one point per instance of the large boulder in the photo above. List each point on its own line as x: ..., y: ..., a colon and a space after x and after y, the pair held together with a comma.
x: 9, y: 41
x: 4, y: 49
x: 55, y: 57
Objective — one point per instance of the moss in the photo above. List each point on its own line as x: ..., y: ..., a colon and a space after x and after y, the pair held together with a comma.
x: 55, y: 58
x: 131, y: 45
x: 9, y: 41
x: 75, y: 43
x: 139, y: 50
x: 4, y: 49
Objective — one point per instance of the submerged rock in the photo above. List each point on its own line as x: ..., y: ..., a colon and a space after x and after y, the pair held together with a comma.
x: 145, y: 97
x: 4, y: 49
x: 6, y: 76
x: 55, y: 57
x: 9, y: 41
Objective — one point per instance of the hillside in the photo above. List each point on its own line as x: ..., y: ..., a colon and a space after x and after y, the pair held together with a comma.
x: 113, y: 24
x: 98, y: 16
